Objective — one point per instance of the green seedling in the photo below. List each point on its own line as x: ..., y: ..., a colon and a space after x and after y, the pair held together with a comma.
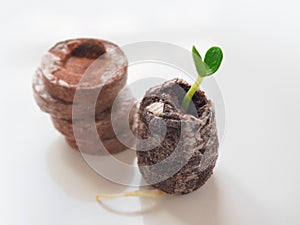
x: 209, y: 66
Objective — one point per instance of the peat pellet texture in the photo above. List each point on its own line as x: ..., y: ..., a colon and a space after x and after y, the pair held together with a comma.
x: 69, y: 67
x: 177, y: 150
x: 112, y: 146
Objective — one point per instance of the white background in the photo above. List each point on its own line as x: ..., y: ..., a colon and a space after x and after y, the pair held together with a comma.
x: 256, y: 180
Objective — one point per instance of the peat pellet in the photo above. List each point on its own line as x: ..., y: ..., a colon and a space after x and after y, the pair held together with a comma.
x: 84, y: 65
x: 185, y: 157
x: 85, y: 129
x: 61, y: 109
x: 112, y: 145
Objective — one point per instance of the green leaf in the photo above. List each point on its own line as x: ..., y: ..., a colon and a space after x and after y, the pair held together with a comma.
x: 200, y: 67
x: 212, y: 60
x: 211, y: 64
x: 196, y: 53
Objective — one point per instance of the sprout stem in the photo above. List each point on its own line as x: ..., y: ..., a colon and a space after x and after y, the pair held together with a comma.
x: 189, y: 95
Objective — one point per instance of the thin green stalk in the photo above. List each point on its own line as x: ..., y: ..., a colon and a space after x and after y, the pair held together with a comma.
x: 188, y: 97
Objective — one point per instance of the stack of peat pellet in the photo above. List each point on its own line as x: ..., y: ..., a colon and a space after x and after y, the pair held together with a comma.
x: 94, y: 68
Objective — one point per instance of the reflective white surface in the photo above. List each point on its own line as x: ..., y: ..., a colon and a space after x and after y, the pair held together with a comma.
x: 256, y: 180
